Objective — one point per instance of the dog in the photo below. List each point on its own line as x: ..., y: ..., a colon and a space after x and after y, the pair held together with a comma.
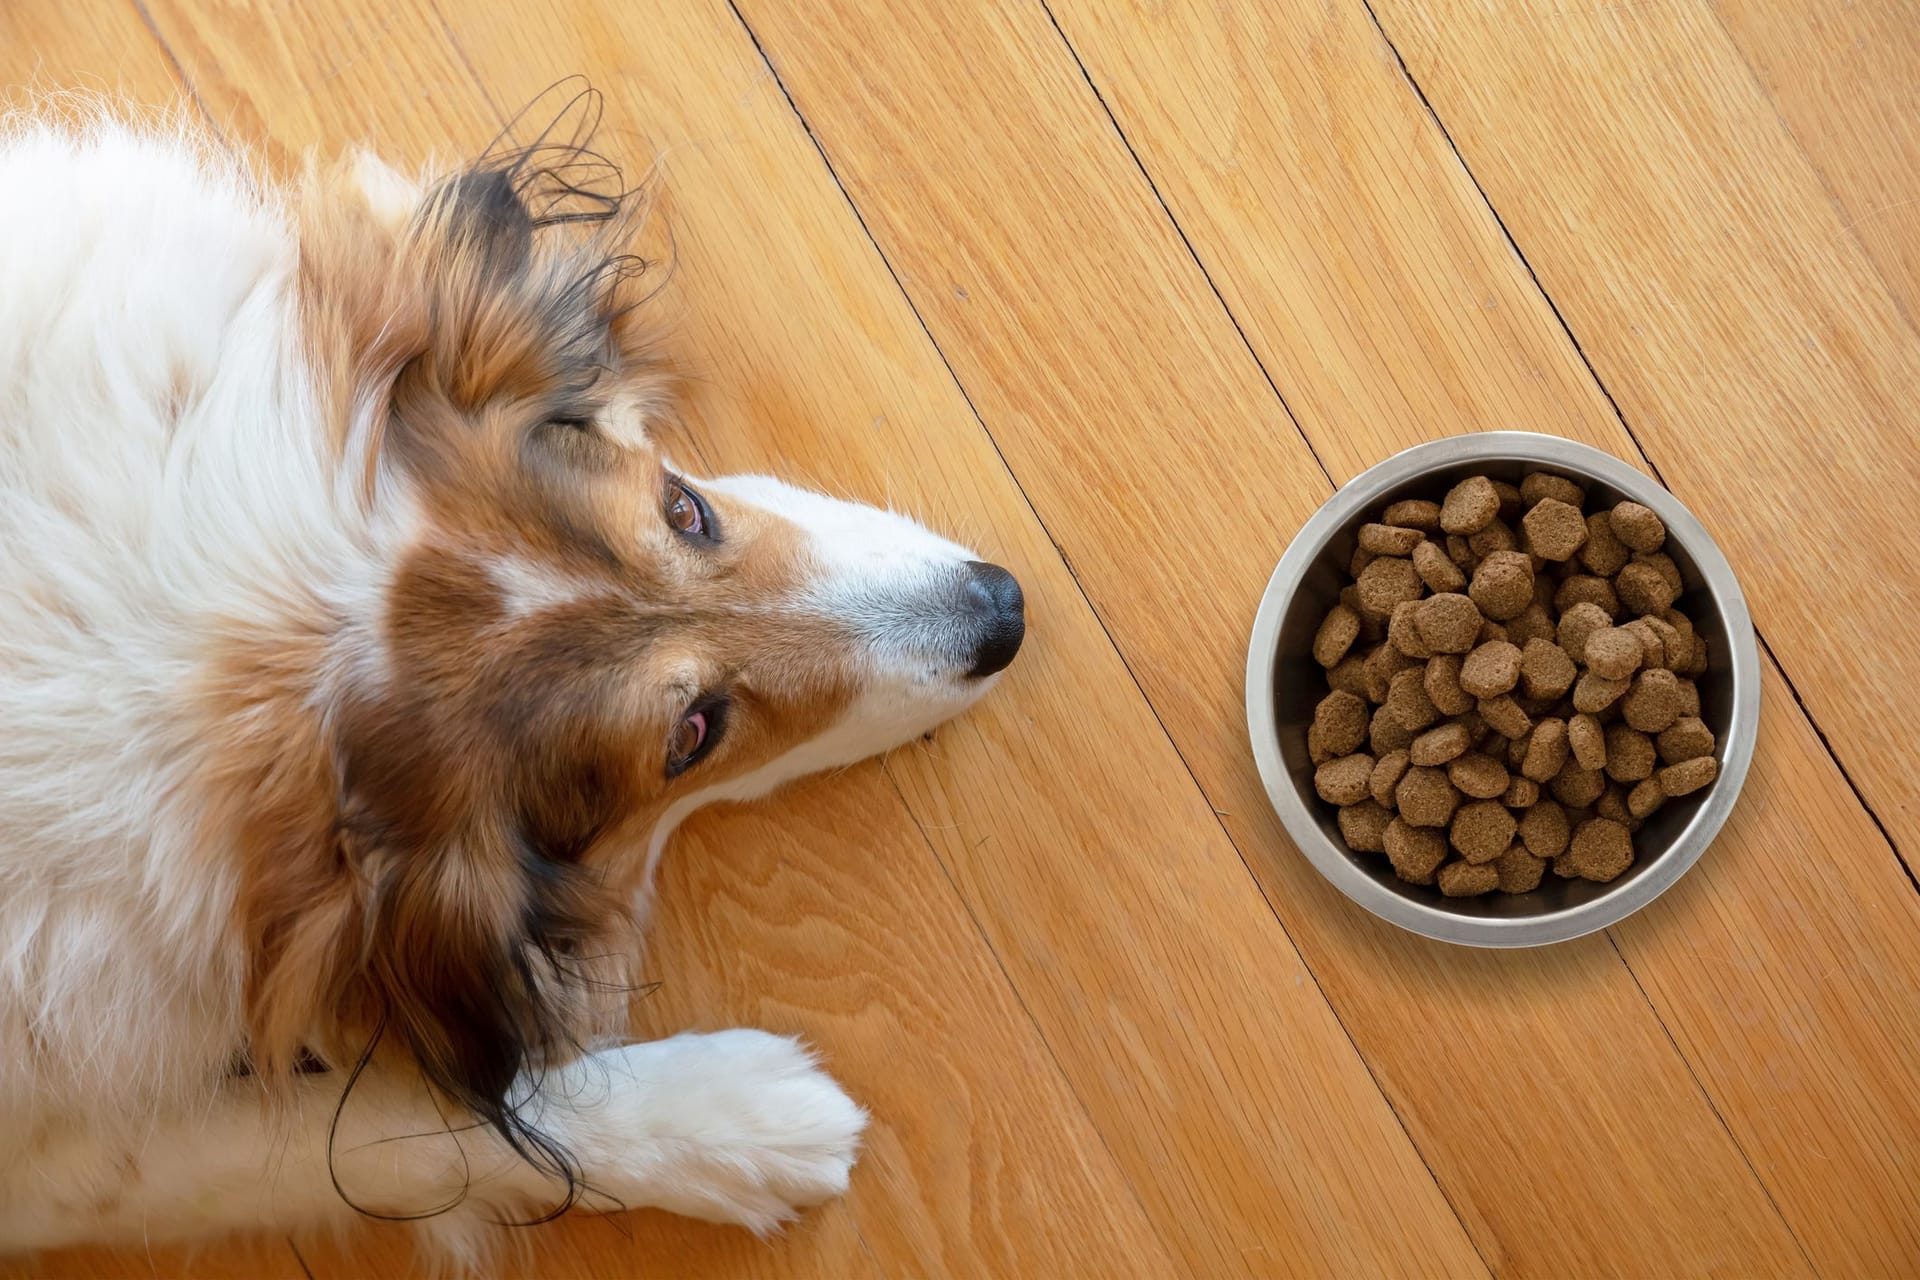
x: 359, y: 653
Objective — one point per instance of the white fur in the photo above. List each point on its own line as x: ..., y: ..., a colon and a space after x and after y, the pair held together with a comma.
x: 162, y: 474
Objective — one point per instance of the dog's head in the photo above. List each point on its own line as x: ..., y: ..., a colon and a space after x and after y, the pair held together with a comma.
x: 573, y: 644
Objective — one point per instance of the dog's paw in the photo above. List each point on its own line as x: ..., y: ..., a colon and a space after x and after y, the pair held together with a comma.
x: 735, y: 1126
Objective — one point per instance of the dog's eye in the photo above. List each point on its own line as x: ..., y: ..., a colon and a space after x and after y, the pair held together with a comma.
x: 695, y: 735
x: 687, y: 512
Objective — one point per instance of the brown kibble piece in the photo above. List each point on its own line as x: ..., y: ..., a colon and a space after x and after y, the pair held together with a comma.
x: 1364, y: 827
x: 1371, y: 628
x: 1545, y: 670
x: 1688, y: 776
x: 1482, y: 830
x: 1544, y: 830
x: 1479, y: 776
x: 1579, y: 622
x: 1522, y: 793
x: 1588, y: 741
x: 1440, y: 744
x: 1413, y: 513
x: 1698, y: 667
x: 1629, y: 753
x: 1442, y: 684
x: 1601, y: 850
x: 1460, y: 552
x: 1518, y: 870
x: 1613, y: 653
x: 1341, y: 721
x: 1505, y: 716
x: 1637, y: 527
x: 1361, y: 558
x: 1403, y: 633
x: 1538, y: 486
x: 1502, y: 585
x: 1546, y: 750
x: 1437, y: 569
x: 1338, y: 630
x: 1386, y: 734
x: 1643, y: 589
x: 1426, y: 798
x: 1344, y: 781
x: 1387, y: 772
x: 1534, y: 623
x: 1654, y: 702
x: 1408, y: 701
x: 1491, y: 670
x: 1584, y: 588
x: 1576, y: 787
x: 1416, y: 852
x: 1390, y: 540
x: 1555, y: 529
x: 1604, y: 553
x: 1511, y: 503
x: 1489, y: 632
x: 1645, y: 798
x: 1468, y: 880
x: 1668, y: 569
x: 1349, y: 675
x: 1594, y: 693
x: 1385, y: 583
x: 1448, y: 622
x: 1612, y: 805
x: 1674, y: 652
x: 1496, y: 537
x: 1687, y: 738
x: 1382, y: 665
x: 1470, y: 506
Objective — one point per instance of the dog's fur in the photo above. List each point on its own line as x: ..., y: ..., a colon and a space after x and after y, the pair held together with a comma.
x: 352, y: 633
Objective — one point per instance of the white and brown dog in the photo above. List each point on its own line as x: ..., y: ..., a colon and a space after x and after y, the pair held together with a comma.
x: 358, y: 653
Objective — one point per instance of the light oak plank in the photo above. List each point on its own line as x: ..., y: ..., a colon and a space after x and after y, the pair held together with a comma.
x: 1337, y: 221
x: 1252, y: 1135
x: 1150, y: 444
x: 1844, y: 76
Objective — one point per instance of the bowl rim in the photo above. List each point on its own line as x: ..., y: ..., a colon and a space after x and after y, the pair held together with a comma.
x: 1310, y: 541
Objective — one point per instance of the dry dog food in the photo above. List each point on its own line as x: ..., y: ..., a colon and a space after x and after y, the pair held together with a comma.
x: 1512, y: 687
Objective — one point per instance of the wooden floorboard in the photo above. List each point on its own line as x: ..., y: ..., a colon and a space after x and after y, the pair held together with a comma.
x: 1117, y: 291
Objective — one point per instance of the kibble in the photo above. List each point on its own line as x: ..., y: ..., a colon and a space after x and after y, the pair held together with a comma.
x: 1502, y: 585
x: 1601, y: 850
x: 1554, y: 529
x: 1438, y: 745
x: 1442, y: 683
x: 1491, y: 670
x: 1468, y: 880
x: 1512, y: 687
x: 1588, y: 741
x: 1425, y: 797
x: 1386, y: 582
x: 1416, y: 852
x: 1437, y: 569
x: 1364, y: 827
x: 1688, y: 776
x: 1479, y: 776
x: 1654, y: 702
x: 1390, y: 540
x: 1470, y: 506
x: 1344, y: 781
x: 1449, y: 622
x: 1638, y: 527
x: 1403, y: 633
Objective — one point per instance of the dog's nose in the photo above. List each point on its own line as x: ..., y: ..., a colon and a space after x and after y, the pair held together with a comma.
x: 994, y: 596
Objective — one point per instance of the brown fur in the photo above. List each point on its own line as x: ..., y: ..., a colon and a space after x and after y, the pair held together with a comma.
x: 448, y: 862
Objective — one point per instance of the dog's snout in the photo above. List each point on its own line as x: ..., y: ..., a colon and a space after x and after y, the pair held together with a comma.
x: 994, y: 597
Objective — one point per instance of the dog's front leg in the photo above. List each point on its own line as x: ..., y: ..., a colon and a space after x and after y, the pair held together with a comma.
x: 736, y: 1126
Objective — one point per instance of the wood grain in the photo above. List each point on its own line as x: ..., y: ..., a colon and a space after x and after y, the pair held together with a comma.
x: 1100, y: 353
x: 1842, y: 76
x: 1746, y: 336
x: 1415, y: 248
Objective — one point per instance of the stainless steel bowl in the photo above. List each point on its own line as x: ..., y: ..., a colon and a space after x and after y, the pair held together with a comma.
x: 1284, y: 683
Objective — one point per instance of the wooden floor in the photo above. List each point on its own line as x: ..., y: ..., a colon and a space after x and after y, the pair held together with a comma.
x: 1120, y: 292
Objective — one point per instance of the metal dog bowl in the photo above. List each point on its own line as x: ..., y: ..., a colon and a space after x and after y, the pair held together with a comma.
x: 1284, y: 683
